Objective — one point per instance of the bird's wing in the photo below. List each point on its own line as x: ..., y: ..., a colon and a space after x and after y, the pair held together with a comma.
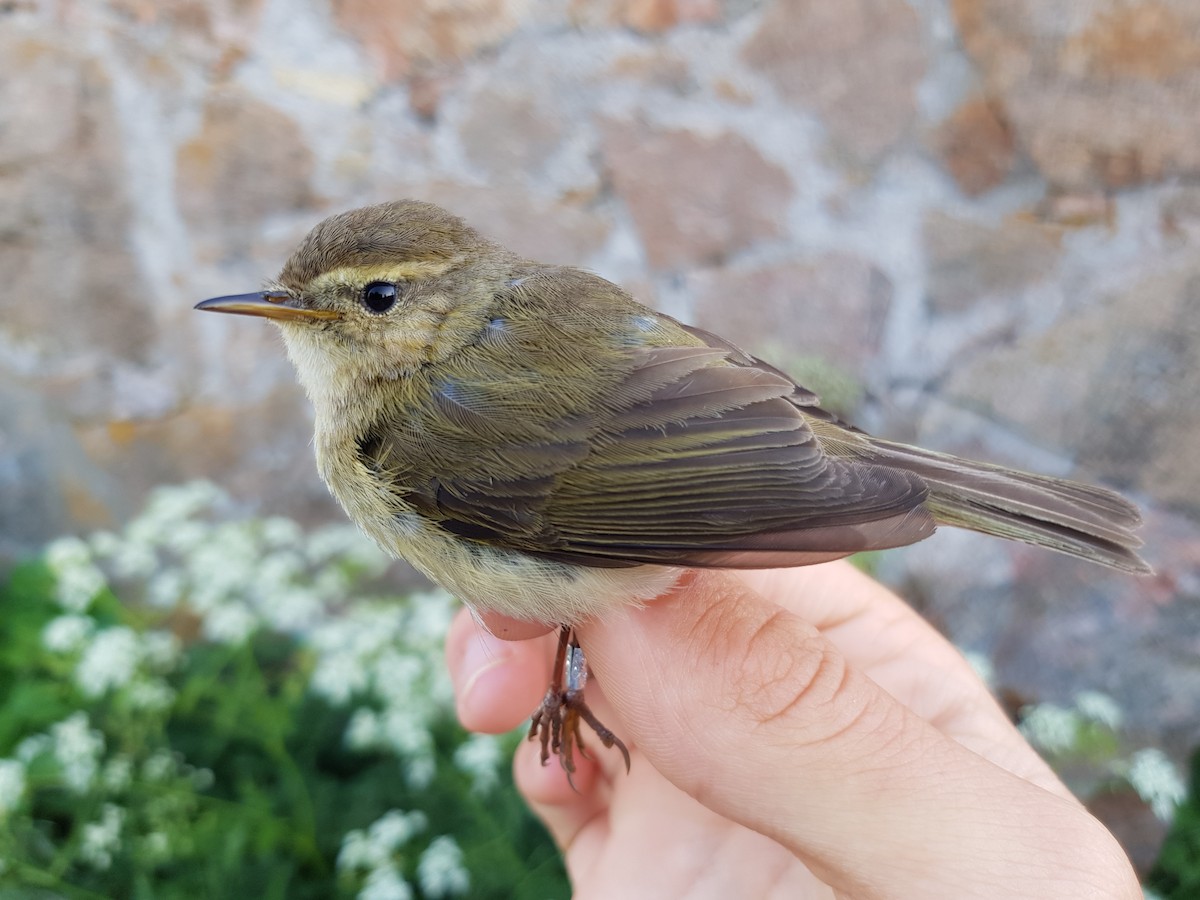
x: 692, y: 453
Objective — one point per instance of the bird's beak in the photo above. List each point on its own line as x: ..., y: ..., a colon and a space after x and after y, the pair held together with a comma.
x: 269, y: 304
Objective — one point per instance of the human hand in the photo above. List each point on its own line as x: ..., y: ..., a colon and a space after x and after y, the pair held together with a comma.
x: 795, y: 732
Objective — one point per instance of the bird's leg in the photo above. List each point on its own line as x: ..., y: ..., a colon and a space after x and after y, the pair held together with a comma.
x: 556, y: 723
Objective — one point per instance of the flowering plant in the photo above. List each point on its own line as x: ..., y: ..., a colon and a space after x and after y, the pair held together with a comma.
x: 205, y: 705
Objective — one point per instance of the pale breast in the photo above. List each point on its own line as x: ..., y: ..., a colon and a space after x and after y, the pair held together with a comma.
x: 513, y: 583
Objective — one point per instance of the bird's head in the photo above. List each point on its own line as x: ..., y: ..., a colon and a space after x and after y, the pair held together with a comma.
x: 375, y: 293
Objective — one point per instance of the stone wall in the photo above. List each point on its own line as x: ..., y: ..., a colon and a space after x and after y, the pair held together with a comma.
x: 982, y: 215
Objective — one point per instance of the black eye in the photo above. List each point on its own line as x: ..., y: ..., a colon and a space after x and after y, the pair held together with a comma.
x: 379, y: 296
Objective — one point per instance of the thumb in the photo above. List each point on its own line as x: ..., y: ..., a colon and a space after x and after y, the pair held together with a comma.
x: 753, y: 712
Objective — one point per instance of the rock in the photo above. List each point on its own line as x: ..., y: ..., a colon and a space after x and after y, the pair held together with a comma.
x: 1181, y: 216
x: 833, y: 307
x: 683, y: 214
x: 969, y: 261
x: 403, y: 38
x: 655, y: 67
x: 41, y: 465
x: 248, y: 161
x: 1077, y: 208
x: 976, y: 144
x: 512, y: 131
x: 259, y: 447
x: 856, y: 65
x: 647, y: 16
x: 65, y: 213
x: 1099, y: 95
x: 1114, y: 384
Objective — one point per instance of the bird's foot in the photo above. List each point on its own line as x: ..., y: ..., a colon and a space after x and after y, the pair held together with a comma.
x: 557, y: 722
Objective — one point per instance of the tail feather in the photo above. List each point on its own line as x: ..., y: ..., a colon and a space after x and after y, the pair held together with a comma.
x: 1089, y: 522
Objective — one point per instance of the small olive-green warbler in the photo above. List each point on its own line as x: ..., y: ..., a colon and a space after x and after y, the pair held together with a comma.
x: 544, y: 446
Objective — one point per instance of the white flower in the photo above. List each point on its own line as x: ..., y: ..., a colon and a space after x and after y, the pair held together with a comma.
x: 104, y: 544
x: 75, y: 589
x: 1157, y: 781
x: 145, y: 532
x: 129, y: 558
x: 229, y: 623
x: 479, y: 757
x: 1051, y: 728
x: 361, y: 632
x: 12, y: 785
x: 404, y: 731
x: 108, y: 662
x: 344, y: 542
x: 152, y: 695
x: 165, y: 588
x: 291, y: 608
x: 77, y: 748
x: 280, y: 532
x: 328, y: 542
x: 278, y: 571
x: 374, y: 848
x: 67, y: 633
x: 186, y: 537
x: 395, y: 676
x: 156, y: 846
x: 362, y: 731
x: 102, y: 839
x: 394, y: 828
x: 160, y: 650
x: 133, y: 559
x: 441, y: 873
x: 359, y: 852
x: 419, y: 771
x: 429, y: 615
x: 159, y: 766
x: 77, y: 579
x: 118, y: 773
x: 1099, y: 708
x: 385, y: 883
x: 223, y: 566
x: 172, y: 505
x: 67, y: 553
x: 338, y: 677
x: 332, y: 583
x: 32, y: 747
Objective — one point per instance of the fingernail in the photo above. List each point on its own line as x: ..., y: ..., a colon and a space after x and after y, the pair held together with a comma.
x: 481, y: 655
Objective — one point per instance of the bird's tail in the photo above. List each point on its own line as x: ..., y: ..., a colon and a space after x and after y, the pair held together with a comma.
x: 1092, y: 523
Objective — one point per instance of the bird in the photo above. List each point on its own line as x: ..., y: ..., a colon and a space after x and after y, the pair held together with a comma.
x: 545, y: 447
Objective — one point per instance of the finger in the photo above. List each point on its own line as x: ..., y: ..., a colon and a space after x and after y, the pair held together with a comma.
x: 643, y: 824
x: 562, y: 809
x: 513, y: 629
x: 884, y: 637
x: 497, y: 683
x: 853, y: 609
x: 753, y: 712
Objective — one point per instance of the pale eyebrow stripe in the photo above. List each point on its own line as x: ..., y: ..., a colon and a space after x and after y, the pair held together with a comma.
x: 405, y: 271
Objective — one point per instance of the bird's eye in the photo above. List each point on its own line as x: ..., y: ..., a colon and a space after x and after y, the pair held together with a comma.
x: 380, y: 296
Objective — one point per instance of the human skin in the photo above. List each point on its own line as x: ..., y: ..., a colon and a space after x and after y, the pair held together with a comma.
x: 794, y: 733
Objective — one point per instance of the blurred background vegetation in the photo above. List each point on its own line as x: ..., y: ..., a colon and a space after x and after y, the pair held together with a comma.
x: 273, y: 726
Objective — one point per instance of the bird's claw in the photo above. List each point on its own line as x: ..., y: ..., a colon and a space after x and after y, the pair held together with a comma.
x: 557, y: 722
